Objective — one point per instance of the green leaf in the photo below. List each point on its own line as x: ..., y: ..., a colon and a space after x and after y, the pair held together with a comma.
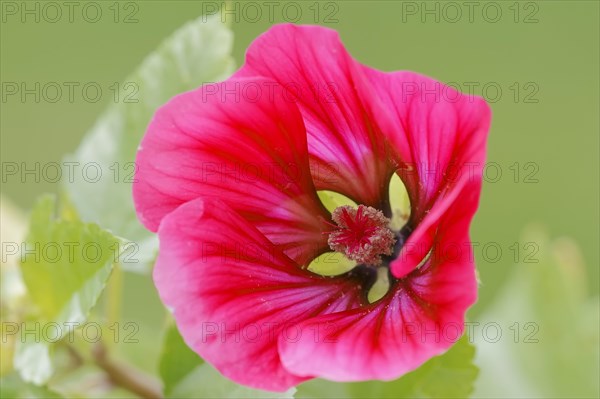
x: 549, y: 344
x: 33, y: 360
x: 69, y: 266
x: 450, y: 375
x: 204, y: 382
x: 317, y: 388
x: 177, y: 360
x: 198, y: 53
x: 185, y: 375
x: 11, y: 386
x: 65, y: 267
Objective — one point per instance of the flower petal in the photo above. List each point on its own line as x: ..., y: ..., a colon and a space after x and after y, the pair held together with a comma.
x: 438, y: 137
x: 421, y: 317
x: 243, y: 144
x: 438, y: 134
x: 420, y: 242
x: 234, y: 294
x: 347, y: 155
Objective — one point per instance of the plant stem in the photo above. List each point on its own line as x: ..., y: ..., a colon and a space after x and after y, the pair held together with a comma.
x: 125, y: 376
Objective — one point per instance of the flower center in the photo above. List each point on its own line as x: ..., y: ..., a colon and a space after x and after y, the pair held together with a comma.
x: 362, y: 234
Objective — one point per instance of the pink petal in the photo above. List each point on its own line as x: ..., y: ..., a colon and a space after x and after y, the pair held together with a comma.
x: 374, y: 123
x: 234, y: 294
x: 438, y: 137
x: 347, y: 155
x: 421, y: 240
x: 238, y: 142
x: 422, y: 317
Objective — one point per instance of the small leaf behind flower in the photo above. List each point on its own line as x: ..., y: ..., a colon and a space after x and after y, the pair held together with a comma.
x: 65, y: 267
x: 11, y: 386
x: 199, y: 52
x: 176, y: 361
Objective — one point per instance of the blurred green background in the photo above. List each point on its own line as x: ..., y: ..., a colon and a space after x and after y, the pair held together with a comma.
x: 544, y: 56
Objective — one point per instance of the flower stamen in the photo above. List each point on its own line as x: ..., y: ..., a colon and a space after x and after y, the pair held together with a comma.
x: 362, y: 234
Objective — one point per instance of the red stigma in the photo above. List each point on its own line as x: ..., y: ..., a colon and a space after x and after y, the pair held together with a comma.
x: 361, y: 234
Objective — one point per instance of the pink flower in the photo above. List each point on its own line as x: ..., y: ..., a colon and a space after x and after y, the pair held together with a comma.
x: 228, y: 176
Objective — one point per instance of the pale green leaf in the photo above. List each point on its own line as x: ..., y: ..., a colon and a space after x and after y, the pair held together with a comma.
x: 33, y: 361
x: 176, y: 361
x: 12, y: 387
x: 68, y: 264
x: 198, y: 53
x: 204, y: 382
x: 65, y: 266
